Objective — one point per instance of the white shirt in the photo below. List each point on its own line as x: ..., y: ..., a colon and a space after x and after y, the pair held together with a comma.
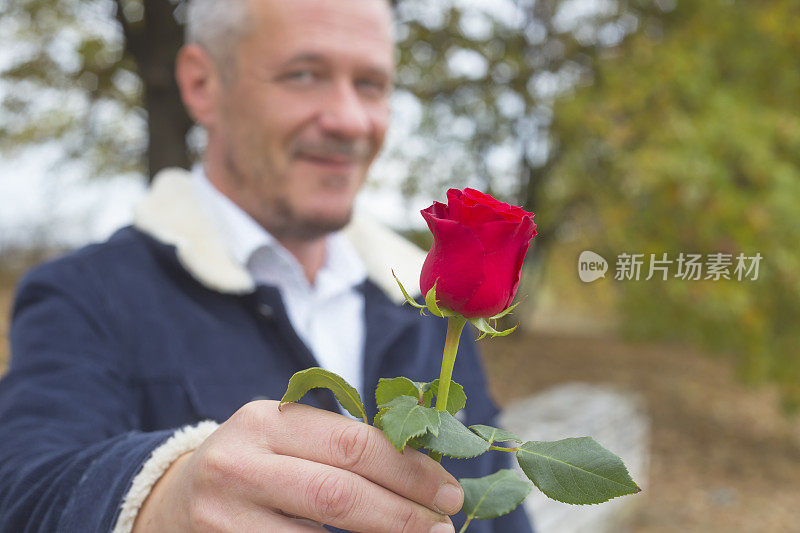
x: 328, y: 315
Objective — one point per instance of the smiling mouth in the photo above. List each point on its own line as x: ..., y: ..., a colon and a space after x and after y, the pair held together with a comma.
x: 332, y: 163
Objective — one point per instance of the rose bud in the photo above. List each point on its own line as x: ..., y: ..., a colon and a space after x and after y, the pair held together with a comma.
x: 479, y: 244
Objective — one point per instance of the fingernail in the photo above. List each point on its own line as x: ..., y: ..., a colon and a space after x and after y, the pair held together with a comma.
x: 441, y: 527
x: 448, y: 499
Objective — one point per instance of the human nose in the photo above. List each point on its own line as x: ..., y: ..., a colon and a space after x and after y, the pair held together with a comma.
x: 345, y: 114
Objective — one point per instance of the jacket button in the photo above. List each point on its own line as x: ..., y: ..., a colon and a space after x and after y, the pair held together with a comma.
x: 265, y: 311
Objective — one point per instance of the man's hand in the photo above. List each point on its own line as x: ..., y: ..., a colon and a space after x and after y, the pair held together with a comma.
x: 268, y: 470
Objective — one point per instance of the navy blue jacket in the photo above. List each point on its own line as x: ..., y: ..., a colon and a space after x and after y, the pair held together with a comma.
x: 115, y: 346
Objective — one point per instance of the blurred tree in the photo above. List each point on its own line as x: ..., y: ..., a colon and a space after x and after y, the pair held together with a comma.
x: 96, y: 78
x: 483, y: 80
x: 688, y: 140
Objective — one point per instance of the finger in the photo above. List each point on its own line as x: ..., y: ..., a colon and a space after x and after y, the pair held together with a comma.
x: 332, y: 439
x: 340, y: 498
x: 250, y: 518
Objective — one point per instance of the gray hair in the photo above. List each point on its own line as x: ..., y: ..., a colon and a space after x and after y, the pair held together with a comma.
x: 218, y: 26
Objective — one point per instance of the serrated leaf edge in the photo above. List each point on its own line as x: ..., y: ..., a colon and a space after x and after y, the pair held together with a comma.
x: 530, y: 487
x: 638, y: 489
x: 414, y: 435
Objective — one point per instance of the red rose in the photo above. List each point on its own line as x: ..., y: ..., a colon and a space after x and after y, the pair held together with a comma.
x: 479, y: 244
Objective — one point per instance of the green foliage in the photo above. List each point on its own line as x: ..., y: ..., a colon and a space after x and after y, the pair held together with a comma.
x: 390, y: 388
x: 456, y: 397
x: 688, y: 140
x: 492, y: 435
x: 305, y: 380
x: 575, y: 470
x: 454, y: 439
x: 493, y: 495
x: 404, y: 418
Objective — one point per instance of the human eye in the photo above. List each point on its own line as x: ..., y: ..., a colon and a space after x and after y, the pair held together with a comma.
x: 373, y: 87
x: 303, y: 76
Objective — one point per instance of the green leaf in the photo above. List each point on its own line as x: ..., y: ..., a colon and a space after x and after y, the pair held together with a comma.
x: 486, y: 329
x: 390, y: 388
x: 408, y: 298
x: 427, y: 393
x: 312, y: 378
x: 493, y: 495
x: 456, y: 398
x: 376, y: 422
x: 404, y: 418
x: 414, y: 443
x: 492, y: 435
x: 454, y: 439
x: 575, y: 470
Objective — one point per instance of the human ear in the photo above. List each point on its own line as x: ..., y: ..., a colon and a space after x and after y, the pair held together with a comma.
x: 199, y: 83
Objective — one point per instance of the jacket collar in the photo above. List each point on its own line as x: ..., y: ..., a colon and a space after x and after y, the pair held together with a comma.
x: 171, y: 214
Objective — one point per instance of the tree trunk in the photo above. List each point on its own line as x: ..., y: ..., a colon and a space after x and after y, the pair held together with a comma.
x: 154, y: 43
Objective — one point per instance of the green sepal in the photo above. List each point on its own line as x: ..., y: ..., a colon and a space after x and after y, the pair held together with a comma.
x: 409, y: 299
x: 486, y: 329
x: 454, y: 439
x: 575, y: 470
x: 501, y: 314
x: 433, y: 305
x: 404, y: 418
x: 493, y: 495
x: 311, y: 378
x: 492, y: 435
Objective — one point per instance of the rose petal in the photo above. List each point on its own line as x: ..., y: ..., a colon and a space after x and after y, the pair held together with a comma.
x: 468, y: 212
x: 505, y: 243
x: 509, y: 212
x: 456, y: 260
x: 438, y: 209
x: 478, y: 251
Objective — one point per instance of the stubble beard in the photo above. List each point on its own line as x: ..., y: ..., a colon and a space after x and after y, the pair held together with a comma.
x: 276, y: 215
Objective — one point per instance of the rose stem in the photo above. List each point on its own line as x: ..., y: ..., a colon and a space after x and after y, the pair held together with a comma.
x: 455, y: 324
x: 464, y: 527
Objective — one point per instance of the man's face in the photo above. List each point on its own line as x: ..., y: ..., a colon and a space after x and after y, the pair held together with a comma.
x: 306, y: 113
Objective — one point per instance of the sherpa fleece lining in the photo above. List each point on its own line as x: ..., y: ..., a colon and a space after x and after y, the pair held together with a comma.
x: 184, y: 440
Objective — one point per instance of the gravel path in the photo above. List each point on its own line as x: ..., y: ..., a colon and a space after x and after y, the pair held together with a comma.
x: 724, y: 458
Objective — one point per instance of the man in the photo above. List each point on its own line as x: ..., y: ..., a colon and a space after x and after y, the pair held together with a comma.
x: 231, y: 280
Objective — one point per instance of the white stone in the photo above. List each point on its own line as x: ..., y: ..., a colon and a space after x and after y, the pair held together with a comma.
x: 614, y: 418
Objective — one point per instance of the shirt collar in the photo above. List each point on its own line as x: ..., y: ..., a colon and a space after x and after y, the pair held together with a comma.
x: 269, y: 262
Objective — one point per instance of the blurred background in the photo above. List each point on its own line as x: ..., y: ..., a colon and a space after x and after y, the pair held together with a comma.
x: 629, y: 126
